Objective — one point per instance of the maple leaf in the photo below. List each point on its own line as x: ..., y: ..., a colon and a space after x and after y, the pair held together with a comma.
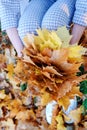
x: 69, y: 68
x: 46, y: 52
x: 64, y: 88
x: 64, y: 35
x: 45, y: 98
x: 29, y: 41
x: 48, y: 66
x: 47, y: 39
x: 76, y: 52
x: 74, y: 92
x: 26, y: 115
x: 50, y: 69
x: 64, y: 102
x: 27, y: 125
x: 75, y: 115
x: 28, y: 60
x: 59, y: 56
x: 10, y: 69
x: 19, y: 69
x: 60, y: 122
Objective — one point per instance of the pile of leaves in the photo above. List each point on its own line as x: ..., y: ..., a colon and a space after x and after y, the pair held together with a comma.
x: 49, y: 70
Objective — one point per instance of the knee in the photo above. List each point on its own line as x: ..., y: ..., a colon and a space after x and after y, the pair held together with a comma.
x: 27, y: 26
x: 53, y: 22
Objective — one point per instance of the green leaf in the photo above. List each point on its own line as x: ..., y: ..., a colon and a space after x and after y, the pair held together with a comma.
x: 83, y: 87
x: 79, y: 100
x: 78, y: 74
x: 4, y: 33
x: 35, y: 100
x: 85, y: 104
x: 82, y: 70
x: 23, y: 86
x: 64, y: 35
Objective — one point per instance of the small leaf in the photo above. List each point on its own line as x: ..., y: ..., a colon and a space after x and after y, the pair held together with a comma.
x: 79, y: 100
x: 83, y: 87
x: 78, y: 74
x: 35, y: 100
x: 85, y: 103
x: 64, y: 35
x: 23, y: 86
x: 82, y: 70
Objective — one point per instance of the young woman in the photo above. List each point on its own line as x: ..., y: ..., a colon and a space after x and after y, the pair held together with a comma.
x: 19, y: 17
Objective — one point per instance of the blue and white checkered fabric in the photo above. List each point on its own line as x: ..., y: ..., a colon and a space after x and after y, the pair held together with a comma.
x: 50, y: 14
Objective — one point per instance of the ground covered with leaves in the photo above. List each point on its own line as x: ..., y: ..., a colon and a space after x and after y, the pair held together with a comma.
x: 49, y: 70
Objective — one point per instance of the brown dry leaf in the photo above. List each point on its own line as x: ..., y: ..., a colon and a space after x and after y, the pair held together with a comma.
x: 59, y: 56
x: 46, y: 52
x: 2, y: 58
x: 29, y: 41
x: 26, y: 115
x: 28, y: 60
x: 64, y: 88
x: 2, y: 61
x: 29, y: 52
x: 69, y: 68
x: 14, y: 112
x: 41, y: 59
x: 16, y: 103
x: 51, y: 70
x: 85, y: 61
x: 47, y: 75
x: 19, y: 67
x: 74, y: 92
x: 78, y: 79
x: 27, y: 125
x: 76, y: 115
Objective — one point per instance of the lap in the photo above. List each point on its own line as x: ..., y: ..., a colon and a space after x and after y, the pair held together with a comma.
x: 32, y: 17
x: 45, y: 14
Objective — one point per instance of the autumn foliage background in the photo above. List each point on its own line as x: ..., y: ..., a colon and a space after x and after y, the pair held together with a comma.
x: 50, y: 69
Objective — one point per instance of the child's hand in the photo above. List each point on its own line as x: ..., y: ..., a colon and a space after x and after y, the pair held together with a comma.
x: 77, y: 32
x: 15, y: 40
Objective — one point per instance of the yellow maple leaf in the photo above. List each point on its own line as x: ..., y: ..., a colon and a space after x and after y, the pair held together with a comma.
x: 76, y: 52
x: 64, y: 101
x: 47, y: 39
x: 46, y: 98
x: 10, y: 69
x: 64, y: 35
x: 60, y: 122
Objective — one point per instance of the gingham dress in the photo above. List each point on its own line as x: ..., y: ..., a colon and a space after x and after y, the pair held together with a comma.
x: 28, y: 16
